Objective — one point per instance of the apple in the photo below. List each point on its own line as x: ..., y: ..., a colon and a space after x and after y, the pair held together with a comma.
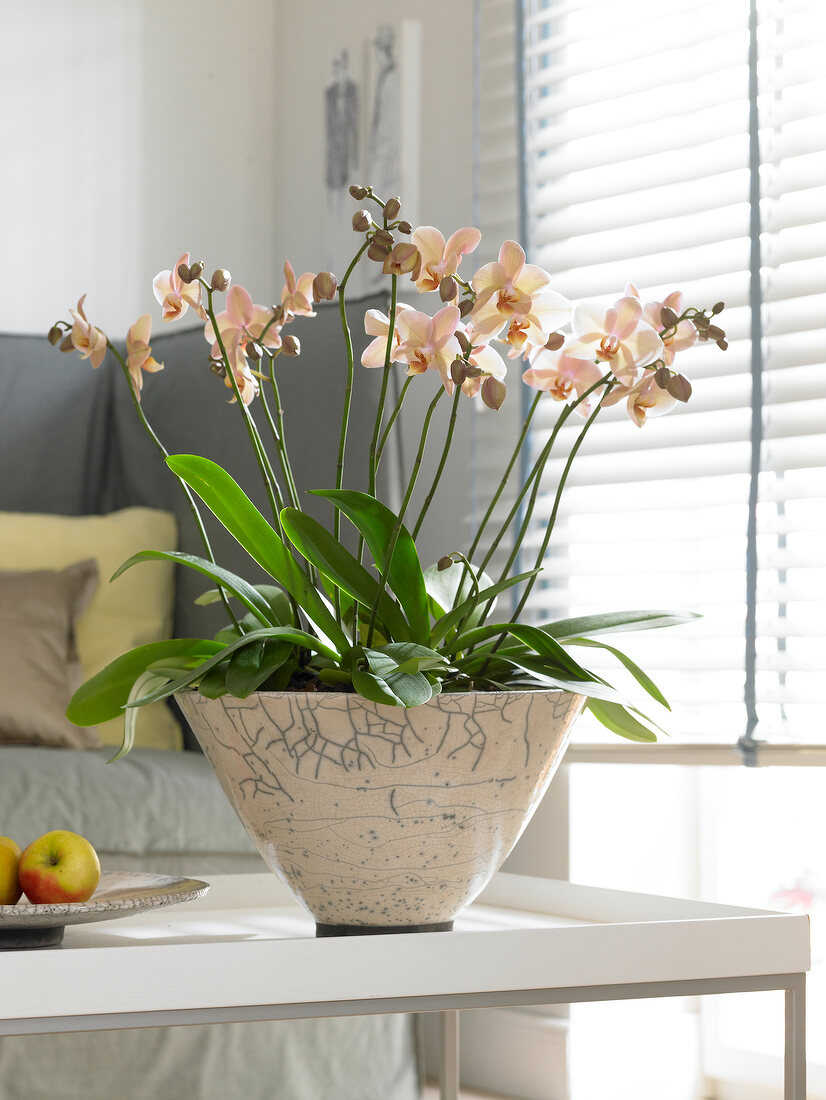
x: 58, y: 867
x: 10, y: 889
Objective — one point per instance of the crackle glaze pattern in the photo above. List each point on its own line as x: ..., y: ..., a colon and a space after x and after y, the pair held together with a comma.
x: 380, y: 815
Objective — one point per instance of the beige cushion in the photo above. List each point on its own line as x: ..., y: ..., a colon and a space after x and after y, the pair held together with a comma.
x: 39, y: 666
x: 133, y: 610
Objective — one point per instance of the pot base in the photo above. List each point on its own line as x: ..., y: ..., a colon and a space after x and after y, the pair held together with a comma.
x: 323, y: 931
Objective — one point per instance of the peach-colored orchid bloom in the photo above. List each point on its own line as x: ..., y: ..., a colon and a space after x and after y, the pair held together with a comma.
x: 174, y: 295
x: 646, y: 400
x: 88, y: 340
x: 243, y: 320
x: 561, y: 375
x: 484, y: 358
x: 441, y: 258
x: 297, y: 294
x: 377, y: 324
x: 617, y: 337
x: 686, y: 334
x: 139, y: 354
x: 429, y: 342
x: 246, y: 382
x: 509, y: 290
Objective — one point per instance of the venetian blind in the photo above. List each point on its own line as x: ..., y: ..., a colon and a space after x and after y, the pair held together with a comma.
x: 638, y: 169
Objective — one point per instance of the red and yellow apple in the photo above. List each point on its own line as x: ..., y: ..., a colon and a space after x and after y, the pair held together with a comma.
x: 58, y: 867
x: 10, y: 889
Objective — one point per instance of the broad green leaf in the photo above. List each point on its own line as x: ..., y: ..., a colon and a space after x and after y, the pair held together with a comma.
x: 279, y: 604
x: 237, y: 586
x: 105, y: 695
x: 147, y: 681
x: 451, y: 620
x: 376, y: 522
x: 544, y: 672
x: 279, y: 633
x: 407, y: 657
x: 214, y: 684
x: 614, y: 622
x: 375, y: 689
x: 447, y: 587
x: 477, y: 636
x: 541, y: 643
x: 322, y: 550
x: 251, y: 666
x: 412, y: 688
x: 231, y: 506
x: 617, y: 719
x: 335, y: 676
x: 642, y: 678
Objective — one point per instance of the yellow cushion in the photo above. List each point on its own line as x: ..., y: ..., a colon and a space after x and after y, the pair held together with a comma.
x: 133, y: 610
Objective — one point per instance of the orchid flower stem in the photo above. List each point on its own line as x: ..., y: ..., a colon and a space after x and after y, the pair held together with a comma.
x: 196, y: 515
x: 277, y: 428
x: 540, y: 557
x: 374, y: 442
x: 397, y: 526
x: 506, y: 476
x: 267, y: 474
x: 392, y: 420
x: 457, y: 393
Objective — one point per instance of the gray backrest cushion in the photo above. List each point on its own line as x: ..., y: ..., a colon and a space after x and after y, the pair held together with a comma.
x: 55, y: 429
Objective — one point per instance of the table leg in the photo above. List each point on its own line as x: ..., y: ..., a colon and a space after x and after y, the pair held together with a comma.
x: 795, y: 1062
x: 449, y: 1060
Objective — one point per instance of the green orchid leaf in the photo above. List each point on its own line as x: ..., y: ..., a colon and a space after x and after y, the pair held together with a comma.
x: 147, y: 681
x: 546, y: 673
x: 614, y: 622
x: 375, y: 689
x: 412, y: 688
x: 233, y: 508
x: 105, y: 694
x: 335, y: 676
x: 453, y: 618
x: 278, y: 633
x: 642, y: 678
x: 237, y: 586
x: 449, y: 587
x: 376, y: 523
x: 251, y: 666
x: 323, y: 551
x: 616, y: 718
x: 214, y: 684
x: 545, y: 646
x: 279, y: 604
x: 410, y: 657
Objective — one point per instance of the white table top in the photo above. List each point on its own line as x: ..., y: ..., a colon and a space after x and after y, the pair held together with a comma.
x: 247, y: 944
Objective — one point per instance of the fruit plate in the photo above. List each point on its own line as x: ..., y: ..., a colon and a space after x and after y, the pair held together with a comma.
x: 119, y: 894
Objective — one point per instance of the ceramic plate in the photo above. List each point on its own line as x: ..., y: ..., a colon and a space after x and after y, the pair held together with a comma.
x: 119, y: 894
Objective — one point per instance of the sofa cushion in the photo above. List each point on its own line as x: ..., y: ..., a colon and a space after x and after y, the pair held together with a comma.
x: 39, y: 664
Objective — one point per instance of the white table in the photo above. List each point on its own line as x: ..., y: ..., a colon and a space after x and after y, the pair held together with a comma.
x: 247, y: 952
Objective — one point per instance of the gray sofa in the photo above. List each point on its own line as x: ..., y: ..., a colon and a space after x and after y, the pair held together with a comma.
x: 70, y: 444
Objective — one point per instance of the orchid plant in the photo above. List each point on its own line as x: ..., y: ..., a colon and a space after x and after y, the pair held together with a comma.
x: 374, y: 621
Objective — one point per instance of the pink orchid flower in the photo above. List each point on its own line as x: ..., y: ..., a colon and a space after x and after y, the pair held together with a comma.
x: 441, y: 258
x: 561, y: 375
x: 617, y: 337
x: 377, y: 324
x: 509, y: 290
x: 174, y: 295
x: 297, y: 294
x: 89, y: 341
x: 646, y: 400
x: 686, y: 334
x: 242, y: 320
x: 139, y: 354
x: 246, y: 382
x: 429, y: 343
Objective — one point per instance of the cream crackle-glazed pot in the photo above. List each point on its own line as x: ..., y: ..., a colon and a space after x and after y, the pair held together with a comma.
x: 380, y: 818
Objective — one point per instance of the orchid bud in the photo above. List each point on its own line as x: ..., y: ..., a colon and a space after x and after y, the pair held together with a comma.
x: 555, y: 341
x: 196, y: 270
x: 253, y: 351
x: 679, y: 387
x: 358, y: 192
x: 379, y: 250
x: 183, y: 273
x: 718, y: 307
x: 324, y: 286
x: 221, y: 279
x: 668, y: 317
x: 464, y: 343
x: 474, y: 372
x: 403, y: 260
x: 385, y: 236
x: 278, y: 313
x: 392, y: 208
x: 66, y: 343
x: 444, y: 563
x: 722, y: 345
x: 715, y: 333
x: 458, y: 371
x: 662, y: 376
x: 290, y: 345
x: 448, y: 288
x: 493, y: 393
x: 404, y: 227
x: 54, y: 335
x: 362, y: 221
x: 217, y: 367
x: 465, y: 307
